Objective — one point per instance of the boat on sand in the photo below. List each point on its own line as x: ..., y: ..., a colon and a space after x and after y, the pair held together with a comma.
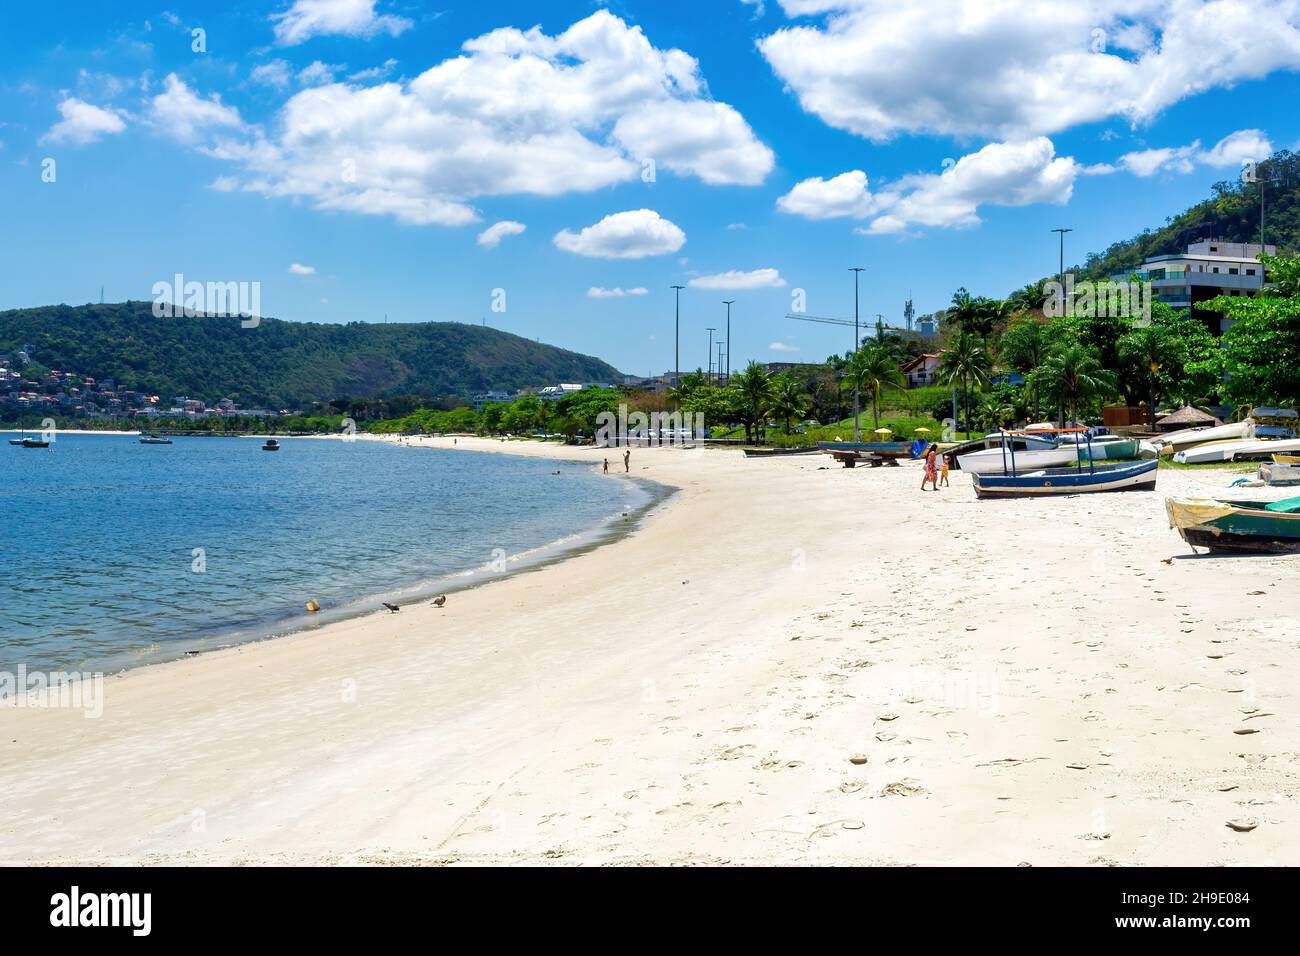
x: 1237, y: 526
x: 1279, y: 473
x: 1235, y: 450
x: 1112, y: 476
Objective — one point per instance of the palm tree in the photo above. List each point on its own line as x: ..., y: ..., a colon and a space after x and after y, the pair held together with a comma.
x: 787, y: 399
x: 965, y: 361
x: 1024, y: 346
x: 837, y: 364
x: 873, y: 369
x: 976, y: 315
x: 1028, y: 299
x: 1072, y: 374
x: 1152, y: 349
x: 754, y: 388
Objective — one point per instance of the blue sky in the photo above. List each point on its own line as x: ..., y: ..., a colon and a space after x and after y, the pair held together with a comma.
x: 934, y: 144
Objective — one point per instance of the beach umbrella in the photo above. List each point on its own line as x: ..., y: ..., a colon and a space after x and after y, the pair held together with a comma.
x: 883, y: 431
x: 922, y: 430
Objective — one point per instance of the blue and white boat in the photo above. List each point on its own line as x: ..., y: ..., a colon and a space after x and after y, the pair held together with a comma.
x: 1119, y: 476
x: 1023, y: 473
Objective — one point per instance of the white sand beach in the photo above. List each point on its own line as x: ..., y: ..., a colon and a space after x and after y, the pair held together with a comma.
x: 788, y: 663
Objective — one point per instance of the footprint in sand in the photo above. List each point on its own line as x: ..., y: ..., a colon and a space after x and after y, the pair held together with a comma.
x: 902, y: 788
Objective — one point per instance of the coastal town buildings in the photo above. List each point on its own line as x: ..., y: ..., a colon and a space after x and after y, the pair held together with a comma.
x: 1209, y: 268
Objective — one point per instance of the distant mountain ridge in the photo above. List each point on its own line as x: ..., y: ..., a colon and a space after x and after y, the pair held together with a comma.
x: 1231, y: 214
x: 282, y: 364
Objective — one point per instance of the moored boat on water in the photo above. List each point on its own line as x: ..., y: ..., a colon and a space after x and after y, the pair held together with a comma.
x: 1237, y: 526
x: 271, y: 445
x: 151, y: 439
x: 1113, y: 476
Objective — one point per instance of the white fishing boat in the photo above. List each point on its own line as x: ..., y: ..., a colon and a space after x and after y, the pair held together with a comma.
x: 1235, y: 450
x: 1188, y: 437
x: 997, y: 461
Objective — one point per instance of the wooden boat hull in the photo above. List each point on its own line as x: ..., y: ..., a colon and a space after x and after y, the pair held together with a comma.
x: 1234, y: 526
x: 1172, y: 441
x: 994, y: 462
x: 1279, y: 473
x: 1286, y: 459
x: 1022, y: 442
x: 1126, y: 476
x: 777, y: 452
x: 883, y: 449
x: 1110, y: 450
x: 1235, y: 450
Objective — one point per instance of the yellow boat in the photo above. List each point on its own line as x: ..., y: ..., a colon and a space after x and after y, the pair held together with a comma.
x: 1286, y: 459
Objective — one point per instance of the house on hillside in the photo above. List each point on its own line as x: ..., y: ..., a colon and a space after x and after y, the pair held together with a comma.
x: 922, y: 370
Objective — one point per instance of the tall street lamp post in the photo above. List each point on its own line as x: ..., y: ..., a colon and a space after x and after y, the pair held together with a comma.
x: 857, y: 398
x: 728, y: 303
x: 677, y: 337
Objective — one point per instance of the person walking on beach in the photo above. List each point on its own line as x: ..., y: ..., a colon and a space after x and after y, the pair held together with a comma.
x: 627, y: 461
x: 931, y: 469
x: 943, y: 473
x: 607, y: 466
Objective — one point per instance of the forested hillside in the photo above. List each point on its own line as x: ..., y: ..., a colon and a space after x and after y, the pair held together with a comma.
x: 285, y: 364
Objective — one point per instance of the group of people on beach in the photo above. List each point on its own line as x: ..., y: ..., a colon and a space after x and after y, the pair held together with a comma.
x: 933, y: 462
x: 627, y: 462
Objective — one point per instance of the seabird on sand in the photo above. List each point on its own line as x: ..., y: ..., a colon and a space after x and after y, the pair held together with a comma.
x: 392, y: 607
x: 440, y: 600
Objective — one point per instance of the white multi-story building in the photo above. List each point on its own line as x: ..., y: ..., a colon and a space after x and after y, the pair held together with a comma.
x: 1209, y: 268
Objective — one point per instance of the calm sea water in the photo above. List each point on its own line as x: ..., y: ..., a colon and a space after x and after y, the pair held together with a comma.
x: 115, y: 553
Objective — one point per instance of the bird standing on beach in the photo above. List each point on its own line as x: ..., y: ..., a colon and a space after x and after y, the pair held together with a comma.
x: 440, y: 600
x: 394, y: 608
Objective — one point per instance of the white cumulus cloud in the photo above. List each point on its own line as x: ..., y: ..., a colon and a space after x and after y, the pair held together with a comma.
x: 1233, y: 150
x: 181, y: 113
x: 353, y: 18
x: 783, y: 347
x: 1000, y: 174
x: 1009, y: 70
x: 757, y: 279
x: 818, y: 198
x: 83, y: 123
x: 516, y: 112
x: 299, y: 269
x: 634, y: 234
x: 596, y: 292
x: 491, y: 236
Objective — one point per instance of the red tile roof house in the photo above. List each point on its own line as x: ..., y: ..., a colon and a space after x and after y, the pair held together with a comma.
x: 922, y: 370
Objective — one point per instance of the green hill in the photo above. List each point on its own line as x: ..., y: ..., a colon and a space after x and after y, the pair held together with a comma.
x: 1232, y: 214
x: 286, y: 364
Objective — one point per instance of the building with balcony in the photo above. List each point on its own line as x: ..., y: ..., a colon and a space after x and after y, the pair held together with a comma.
x: 1209, y: 268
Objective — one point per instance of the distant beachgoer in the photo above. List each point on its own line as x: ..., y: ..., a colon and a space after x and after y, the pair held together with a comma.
x: 931, y: 469
x: 627, y: 461
x: 943, y: 474
x: 607, y: 466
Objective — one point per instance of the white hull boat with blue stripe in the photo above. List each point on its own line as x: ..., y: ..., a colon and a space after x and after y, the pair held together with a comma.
x: 1121, y: 476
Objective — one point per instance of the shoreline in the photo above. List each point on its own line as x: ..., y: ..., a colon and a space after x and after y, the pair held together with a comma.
x: 1050, y: 682
x: 606, y: 530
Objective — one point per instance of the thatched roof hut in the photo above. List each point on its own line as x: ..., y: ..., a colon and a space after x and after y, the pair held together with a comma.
x: 1186, y: 417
